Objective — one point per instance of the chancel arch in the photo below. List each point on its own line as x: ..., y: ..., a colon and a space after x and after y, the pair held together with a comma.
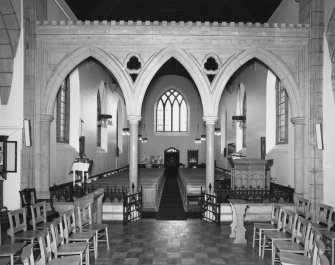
x: 187, y: 61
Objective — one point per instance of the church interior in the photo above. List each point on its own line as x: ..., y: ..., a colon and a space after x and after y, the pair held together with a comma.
x: 191, y: 132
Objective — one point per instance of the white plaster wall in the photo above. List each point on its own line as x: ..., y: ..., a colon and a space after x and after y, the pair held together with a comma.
x: 287, y: 12
x: 253, y: 77
x: 89, y: 77
x: 11, y: 120
x: 328, y: 119
x: 158, y: 142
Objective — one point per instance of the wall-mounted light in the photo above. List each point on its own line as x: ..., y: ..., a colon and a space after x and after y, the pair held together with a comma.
x: 125, y: 131
x: 144, y: 140
x: 203, y: 137
x: 217, y: 131
x: 105, y: 119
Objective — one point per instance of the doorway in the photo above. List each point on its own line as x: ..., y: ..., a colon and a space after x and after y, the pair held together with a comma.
x: 171, y: 160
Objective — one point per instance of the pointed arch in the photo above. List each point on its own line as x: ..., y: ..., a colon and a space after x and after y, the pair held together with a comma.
x: 187, y: 61
x: 9, y: 35
x: 70, y: 61
x: 272, y: 61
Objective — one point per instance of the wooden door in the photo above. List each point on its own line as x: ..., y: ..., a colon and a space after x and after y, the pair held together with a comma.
x: 171, y: 160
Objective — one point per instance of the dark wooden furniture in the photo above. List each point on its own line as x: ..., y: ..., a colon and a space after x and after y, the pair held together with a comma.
x: 28, y: 198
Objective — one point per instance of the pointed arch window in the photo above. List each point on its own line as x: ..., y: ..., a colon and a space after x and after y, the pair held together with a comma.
x: 281, y: 113
x: 98, y: 120
x: 171, y: 112
x: 63, y: 112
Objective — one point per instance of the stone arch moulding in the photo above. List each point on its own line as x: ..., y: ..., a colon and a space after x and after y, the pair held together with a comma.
x: 276, y: 64
x: 70, y: 61
x: 187, y: 61
x: 9, y: 35
x: 330, y: 34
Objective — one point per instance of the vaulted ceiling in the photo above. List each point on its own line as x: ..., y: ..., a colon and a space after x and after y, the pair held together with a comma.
x: 175, y: 10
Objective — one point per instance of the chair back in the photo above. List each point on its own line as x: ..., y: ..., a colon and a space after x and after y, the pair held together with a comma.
x: 38, y: 213
x: 276, y: 208
x: 45, y: 248
x: 84, y: 215
x: 69, y: 224
x: 17, y: 222
x: 56, y: 235
x: 303, y: 232
x: 28, y: 197
x: 303, y: 207
x: 319, y: 257
x: 314, y: 235
x: 290, y: 222
x: 281, y: 219
x: 27, y: 256
x: 324, y: 215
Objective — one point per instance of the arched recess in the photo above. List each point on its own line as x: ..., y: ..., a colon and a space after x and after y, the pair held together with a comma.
x: 331, y: 46
x: 70, y: 61
x: 9, y: 35
x: 270, y: 60
x: 188, y: 62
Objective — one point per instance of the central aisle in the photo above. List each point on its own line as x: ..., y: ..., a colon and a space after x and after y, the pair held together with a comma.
x: 176, y: 242
x: 171, y: 206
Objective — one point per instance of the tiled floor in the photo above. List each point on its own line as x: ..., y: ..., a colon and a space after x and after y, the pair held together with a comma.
x: 175, y: 242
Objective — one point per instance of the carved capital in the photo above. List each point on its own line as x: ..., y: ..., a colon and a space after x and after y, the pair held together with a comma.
x: 298, y: 120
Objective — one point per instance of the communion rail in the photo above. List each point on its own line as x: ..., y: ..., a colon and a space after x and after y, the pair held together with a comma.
x: 66, y: 192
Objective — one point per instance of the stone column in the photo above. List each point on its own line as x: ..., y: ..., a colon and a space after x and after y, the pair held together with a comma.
x: 210, y: 170
x: 298, y: 156
x: 43, y: 176
x: 133, y: 152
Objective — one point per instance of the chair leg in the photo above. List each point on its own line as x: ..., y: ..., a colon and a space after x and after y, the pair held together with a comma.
x: 11, y: 259
x: 107, y: 239
x: 273, y: 254
x: 253, y: 238
x: 96, y: 245
x: 264, y: 243
x: 260, y: 242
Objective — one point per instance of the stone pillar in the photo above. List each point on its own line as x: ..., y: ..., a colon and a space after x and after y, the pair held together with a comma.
x: 298, y: 156
x: 43, y: 175
x: 133, y: 152
x: 210, y: 170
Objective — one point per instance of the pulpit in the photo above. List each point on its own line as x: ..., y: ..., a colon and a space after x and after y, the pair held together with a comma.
x: 250, y: 173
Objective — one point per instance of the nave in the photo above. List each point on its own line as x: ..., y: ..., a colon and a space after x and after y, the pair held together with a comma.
x: 174, y: 242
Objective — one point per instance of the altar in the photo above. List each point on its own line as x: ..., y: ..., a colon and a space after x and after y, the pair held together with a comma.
x: 250, y: 173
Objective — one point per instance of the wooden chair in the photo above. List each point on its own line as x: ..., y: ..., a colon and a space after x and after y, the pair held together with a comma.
x: 28, y: 197
x: 46, y: 255
x: 260, y: 227
x: 27, y: 256
x: 324, y: 214
x: 299, y: 242
x: 18, y: 228
x: 317, y: 256
x: 39, y: 216
x: 11, y: 251
x: 59, y: 248
x: 303, y: 207
x: 285, y: 230
x: 85, y: 223
x: 72, y: 235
